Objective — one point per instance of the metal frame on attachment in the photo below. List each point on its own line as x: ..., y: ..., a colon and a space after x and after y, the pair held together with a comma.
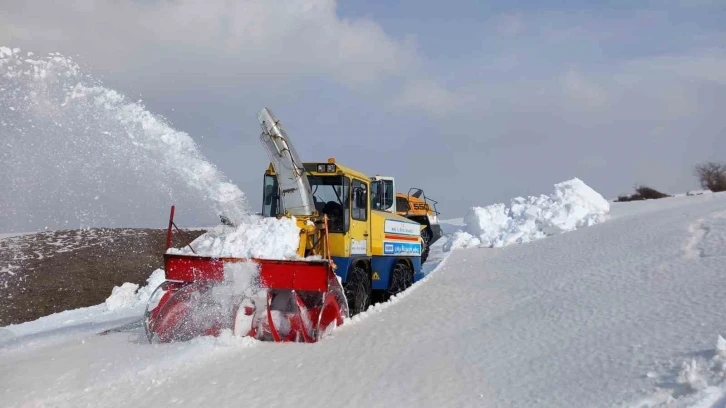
x: 169, y: 232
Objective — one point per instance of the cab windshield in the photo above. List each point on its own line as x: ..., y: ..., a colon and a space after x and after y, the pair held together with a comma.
x: 382, y: 195
x: 331, y: 196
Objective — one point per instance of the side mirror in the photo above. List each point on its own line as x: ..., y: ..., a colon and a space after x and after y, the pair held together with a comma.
x: 359, y: 197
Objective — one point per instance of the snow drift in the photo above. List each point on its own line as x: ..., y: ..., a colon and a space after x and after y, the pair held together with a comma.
x: 573, y: 205
x: 621, y: 316
x: 129, y: 295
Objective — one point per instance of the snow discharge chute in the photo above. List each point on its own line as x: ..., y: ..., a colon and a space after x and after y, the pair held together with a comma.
x: 296, y: 196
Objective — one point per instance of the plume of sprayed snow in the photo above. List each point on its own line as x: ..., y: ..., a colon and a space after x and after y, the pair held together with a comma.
x: 241, y: 285
x: 573, y: 205
x: 75, y: 153
x: 244, y: 277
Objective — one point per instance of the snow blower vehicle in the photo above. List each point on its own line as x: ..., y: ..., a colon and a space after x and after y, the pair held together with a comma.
x: 415, y: 206
x: 348, y: 253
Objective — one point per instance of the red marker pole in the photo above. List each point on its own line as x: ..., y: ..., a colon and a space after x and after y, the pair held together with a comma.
x: 168, y: 232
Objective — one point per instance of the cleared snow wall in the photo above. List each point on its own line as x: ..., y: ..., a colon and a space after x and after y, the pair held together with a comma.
x: 573, y: 205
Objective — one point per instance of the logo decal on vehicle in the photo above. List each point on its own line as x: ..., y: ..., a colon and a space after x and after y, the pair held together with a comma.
x: 401, y: 248
x: 402, y: 228
x: 358, y: 247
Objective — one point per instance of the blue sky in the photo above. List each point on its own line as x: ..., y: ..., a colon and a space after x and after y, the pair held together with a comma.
x: 471, y: 28
x: 476, y: 102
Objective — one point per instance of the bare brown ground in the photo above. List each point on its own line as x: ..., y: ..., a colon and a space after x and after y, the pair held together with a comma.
x: 50, y: 272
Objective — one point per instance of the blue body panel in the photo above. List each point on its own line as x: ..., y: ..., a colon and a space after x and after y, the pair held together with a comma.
x: 343, y: 265
x: 380, y: 266
x: 418, y: 274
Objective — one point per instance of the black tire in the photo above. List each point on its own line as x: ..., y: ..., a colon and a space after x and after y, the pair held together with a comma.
x: 401, y: 278
x: 358, y: 290
x: 426, y: 235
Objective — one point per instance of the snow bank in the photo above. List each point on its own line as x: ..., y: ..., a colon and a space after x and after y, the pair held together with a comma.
x: 129, y: 295
x: 572, y: 205
x: 259, y: 237
x: 6, y: 336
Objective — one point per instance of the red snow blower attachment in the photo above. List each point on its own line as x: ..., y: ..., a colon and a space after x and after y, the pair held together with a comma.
x: 271, y: 300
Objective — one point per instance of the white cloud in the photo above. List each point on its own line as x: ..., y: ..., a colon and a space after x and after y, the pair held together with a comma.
x: 709, y: 65
x: 426, y: 95
x: 242, y: 39
x: 577, y: 87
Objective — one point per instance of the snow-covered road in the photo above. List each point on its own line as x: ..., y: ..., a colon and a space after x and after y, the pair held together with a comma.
x: 599, y: 317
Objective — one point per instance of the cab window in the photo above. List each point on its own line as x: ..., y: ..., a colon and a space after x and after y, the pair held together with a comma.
x: 271, y: 197
x: 375, y: 199
x: 330, y: 195
x: 402, y: 204
x: 387, y: 194
x: 382, y: 195
x: 359, y: 201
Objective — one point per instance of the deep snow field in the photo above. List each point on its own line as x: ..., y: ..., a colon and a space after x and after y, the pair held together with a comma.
x: 625, y: 312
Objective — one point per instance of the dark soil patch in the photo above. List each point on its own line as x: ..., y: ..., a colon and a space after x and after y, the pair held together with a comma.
x: 49, y: 272
x: 643, y: 193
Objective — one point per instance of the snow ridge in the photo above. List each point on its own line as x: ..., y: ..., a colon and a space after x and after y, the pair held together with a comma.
x: 573, y: 205
x: 129, y: 295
